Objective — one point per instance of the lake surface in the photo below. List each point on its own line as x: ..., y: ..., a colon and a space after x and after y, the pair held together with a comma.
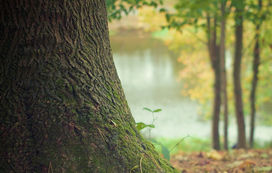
x: 149, y: 72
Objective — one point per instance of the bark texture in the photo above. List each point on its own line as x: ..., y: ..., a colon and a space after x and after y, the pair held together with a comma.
x: 239, y: 111
x: 62, y: 106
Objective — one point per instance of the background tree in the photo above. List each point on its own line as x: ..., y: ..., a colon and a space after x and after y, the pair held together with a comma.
x: 214, y: 54
x: 62, y: 105
x: 206, y: 15
x: 257, y: 16
x: 239, y: 110
x: 194, y: 72
x: 223, y: 70
x: 255, y: 68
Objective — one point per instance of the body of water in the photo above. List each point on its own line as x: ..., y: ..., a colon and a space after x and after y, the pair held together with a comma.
x: 149, y: 72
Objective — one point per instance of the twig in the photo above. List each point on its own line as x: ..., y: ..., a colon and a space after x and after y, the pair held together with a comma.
x: 141, y: 164
x: 101, y: 134
x: 179, y: 142
x: 135, y: 167
x: 50, y: 168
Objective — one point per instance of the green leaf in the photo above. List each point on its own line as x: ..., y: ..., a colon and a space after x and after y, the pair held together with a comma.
x: 162, y: 10
x: 147, y: 109
x: 154, y: 4
x: 167, y: 16
x: 141, y: 125
x: 165, y: 152
x: 157, y: 110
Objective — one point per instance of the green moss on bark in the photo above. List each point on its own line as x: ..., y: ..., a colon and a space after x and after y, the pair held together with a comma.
x: 62, y: 105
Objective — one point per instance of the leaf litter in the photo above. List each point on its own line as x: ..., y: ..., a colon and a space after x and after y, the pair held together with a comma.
x: 233, y: 161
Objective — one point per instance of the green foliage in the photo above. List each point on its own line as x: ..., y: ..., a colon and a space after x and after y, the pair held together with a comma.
x: 192, y: 12
x: 263, y: 145
x: 157, y: 110
x: 147, y: 109
x: 163, y: 149
x: 189, y: 145
x: 152, y: 111
x: 165, y: 152
x: 117, y: 8
x: 168, y: 146
x: 140, y: 125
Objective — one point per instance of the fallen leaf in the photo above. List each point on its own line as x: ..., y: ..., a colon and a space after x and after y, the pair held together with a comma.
x: 235, y: 164
x: 214, y: 155
x: 246, y: 155
x: 247, y: 164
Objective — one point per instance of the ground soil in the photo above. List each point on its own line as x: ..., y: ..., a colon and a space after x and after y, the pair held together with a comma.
x: 234, y: 161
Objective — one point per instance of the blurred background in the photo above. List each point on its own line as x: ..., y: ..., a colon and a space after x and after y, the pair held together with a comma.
x: 169, y: 68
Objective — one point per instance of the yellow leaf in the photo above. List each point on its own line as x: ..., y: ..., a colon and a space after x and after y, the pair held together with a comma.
x: 214, y: 155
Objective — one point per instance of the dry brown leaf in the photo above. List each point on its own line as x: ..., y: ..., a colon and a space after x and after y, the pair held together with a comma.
x: 214, y: 155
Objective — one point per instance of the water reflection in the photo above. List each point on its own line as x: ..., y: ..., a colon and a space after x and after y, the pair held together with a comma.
x: 148, y: 75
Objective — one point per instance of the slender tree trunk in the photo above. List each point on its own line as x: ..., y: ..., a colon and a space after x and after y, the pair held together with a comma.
x: 217, y: 103
x: 237, y: 76
x: 215, y: 62
x: 62, y: 107
x: 255, y: 68
x: 223, y: 73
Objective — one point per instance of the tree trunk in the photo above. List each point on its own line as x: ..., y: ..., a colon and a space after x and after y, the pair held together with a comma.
x: 215, y: 63
x: 237, y: 76
x: 223, y: 73
x: 62, y: 106
x: 216, y: 105
x: 255, y: 67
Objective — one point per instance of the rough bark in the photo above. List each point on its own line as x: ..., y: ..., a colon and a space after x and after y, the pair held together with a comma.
x: 223, y: 73
x: 255, y: 68
x: 62, y: 106
x: 241, y: 143
x: 215, y: 63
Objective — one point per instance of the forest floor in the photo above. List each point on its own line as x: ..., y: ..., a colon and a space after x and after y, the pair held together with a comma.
x: 234, y: 161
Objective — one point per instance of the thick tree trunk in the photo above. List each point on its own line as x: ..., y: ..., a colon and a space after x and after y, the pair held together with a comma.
x: 223, y: 73
x: 237, y: 77
x: 255, y: 68
x: 215, y: 63
x: 62, y: 106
